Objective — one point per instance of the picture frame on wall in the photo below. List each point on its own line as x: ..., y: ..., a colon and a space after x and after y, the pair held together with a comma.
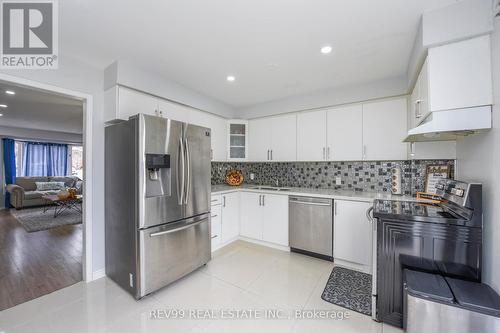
x: 433, y: 174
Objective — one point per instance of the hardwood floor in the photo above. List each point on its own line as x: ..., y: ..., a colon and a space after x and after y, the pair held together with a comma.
x: 37, y: 263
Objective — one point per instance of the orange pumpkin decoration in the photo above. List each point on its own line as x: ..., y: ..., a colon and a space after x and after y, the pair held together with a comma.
x: 234, y: 178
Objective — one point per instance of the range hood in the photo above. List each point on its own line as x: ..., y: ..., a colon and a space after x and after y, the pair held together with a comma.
x: 451, y: 125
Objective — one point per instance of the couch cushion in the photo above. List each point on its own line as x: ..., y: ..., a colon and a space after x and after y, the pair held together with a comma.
x: 28, y: 183
x: 69, y: 181
x: 37, y: 194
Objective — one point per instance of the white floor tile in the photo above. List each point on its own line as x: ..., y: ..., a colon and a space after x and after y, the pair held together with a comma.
x: 240, y: 277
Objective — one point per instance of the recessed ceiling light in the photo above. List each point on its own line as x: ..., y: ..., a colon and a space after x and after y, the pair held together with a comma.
x: 10, y: 92
x: 230, y: 78
x: 326, y: 49
x: 3, y: 106
x: 1, y: 114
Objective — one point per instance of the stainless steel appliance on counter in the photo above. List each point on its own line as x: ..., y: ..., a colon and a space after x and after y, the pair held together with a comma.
x: 157, y: 201
x: 443, y: 238
x: 311, y: 226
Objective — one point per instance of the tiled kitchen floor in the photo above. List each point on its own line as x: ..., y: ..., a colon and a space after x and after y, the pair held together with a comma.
x: 240, y: 276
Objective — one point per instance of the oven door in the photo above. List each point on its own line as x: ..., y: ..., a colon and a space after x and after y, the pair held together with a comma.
x: 172, y: 250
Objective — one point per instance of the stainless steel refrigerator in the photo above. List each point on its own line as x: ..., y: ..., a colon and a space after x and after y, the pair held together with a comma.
x: 157, y: 201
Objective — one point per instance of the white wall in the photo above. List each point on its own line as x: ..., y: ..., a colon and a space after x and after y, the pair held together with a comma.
x: 478, y: 158
x: 329, y: 97
x: 42, y: 135
x: 78, y: 76
x: 127, y: 75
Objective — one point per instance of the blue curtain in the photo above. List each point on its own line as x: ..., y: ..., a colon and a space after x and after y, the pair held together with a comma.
x: 9, y: 161
x: 44, y: 159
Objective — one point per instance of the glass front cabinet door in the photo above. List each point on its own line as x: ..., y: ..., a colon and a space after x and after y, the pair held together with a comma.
x: 237, y: 140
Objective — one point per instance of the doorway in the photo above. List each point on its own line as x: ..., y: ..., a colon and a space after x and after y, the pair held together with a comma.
x: 45, y: 233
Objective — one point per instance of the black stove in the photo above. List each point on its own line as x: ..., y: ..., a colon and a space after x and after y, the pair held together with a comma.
x: 444, y: 238
x: 418, y: 211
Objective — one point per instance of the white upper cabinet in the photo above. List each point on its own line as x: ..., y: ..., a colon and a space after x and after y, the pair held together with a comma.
x: 218, y: 128
x: 345, y: 133
x: 460, y: 74
x: 174, y: 111
x: 121, y: 103
x: 419, y: 99
x: 259, y: 134
x: 237, y: 140
x: 384, y: 128
x: 311, y: 136
x: 273, y: 138
x: 284, y: 138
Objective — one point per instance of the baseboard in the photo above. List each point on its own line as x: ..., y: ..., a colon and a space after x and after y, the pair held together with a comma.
x: 100, y: 273
x: 263, y: 243
x: 353, y: 266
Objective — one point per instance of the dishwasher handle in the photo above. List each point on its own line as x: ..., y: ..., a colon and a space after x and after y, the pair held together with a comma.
x: 310, y: 203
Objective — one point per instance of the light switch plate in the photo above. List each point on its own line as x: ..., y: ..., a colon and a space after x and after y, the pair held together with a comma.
x: 338, y: 181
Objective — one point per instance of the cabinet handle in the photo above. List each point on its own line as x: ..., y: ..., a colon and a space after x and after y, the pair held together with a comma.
x: 263, y: 200
x: 211, y: 154
x: 364, y: 151
x: 417, y: 108
x: 260, y: 200
x: 214, y: 236
x: 213, y: 215
x: 271, y: 154
x: 328, y: 153
x: 224, y: 201
x: 324, y: 153
x: 268, y: 154
x: 335, y: 208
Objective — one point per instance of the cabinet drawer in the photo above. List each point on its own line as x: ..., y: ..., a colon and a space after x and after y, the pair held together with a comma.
x: 215, y: 218
x: 216, y: 199
x: 215, y: 221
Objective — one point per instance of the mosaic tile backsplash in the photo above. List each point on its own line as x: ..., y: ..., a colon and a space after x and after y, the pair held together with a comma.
x: 372, y: 176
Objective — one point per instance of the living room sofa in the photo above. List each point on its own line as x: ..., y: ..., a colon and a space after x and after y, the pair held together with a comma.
x: 24, y: 193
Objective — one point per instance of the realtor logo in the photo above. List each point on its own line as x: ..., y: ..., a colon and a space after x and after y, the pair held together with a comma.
x: 29, y: 34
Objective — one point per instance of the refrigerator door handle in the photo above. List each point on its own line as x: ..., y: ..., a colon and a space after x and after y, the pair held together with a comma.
x: 180, y: 172
x: 187, y: 156
x: 155, y: 234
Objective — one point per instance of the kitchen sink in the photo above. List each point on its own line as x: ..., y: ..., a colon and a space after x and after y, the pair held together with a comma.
x: 270, y: 188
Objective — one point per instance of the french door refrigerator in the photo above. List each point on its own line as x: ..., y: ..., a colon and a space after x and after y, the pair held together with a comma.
x: 157, y: 201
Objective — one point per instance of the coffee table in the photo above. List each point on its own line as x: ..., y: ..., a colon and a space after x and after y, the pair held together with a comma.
x: 61, y: 205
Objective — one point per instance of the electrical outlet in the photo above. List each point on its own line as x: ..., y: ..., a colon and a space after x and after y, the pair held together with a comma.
x: 252, y: 176
x: 131, y: 280
x: 338, y: 181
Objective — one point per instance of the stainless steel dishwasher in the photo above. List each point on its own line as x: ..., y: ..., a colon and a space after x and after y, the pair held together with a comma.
x: 311, y: 226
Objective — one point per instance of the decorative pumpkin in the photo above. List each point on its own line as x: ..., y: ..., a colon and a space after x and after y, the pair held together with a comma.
x: 234, y: 178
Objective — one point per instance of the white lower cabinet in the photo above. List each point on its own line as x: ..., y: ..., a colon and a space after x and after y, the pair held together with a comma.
x: 251, y: 217
x: 352, y: 234
x: 264, y: 217
x: 230, y: 216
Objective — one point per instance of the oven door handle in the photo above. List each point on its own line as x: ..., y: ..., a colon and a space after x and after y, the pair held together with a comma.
x: 369, y: 215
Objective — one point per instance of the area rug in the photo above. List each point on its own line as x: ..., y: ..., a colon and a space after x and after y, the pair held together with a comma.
x: 34, y: 219
x: 349, y: 289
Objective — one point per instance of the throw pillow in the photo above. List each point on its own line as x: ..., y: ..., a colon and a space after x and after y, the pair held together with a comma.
x: 47, y: 186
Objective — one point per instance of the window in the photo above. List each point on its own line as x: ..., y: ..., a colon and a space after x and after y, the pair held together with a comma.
x: 76, y: 160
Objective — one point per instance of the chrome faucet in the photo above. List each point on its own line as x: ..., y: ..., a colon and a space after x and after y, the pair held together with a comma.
x: 276, y: 182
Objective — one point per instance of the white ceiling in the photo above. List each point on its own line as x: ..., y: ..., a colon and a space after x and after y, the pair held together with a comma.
x: 33, y: 109
x: 272, y: 47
